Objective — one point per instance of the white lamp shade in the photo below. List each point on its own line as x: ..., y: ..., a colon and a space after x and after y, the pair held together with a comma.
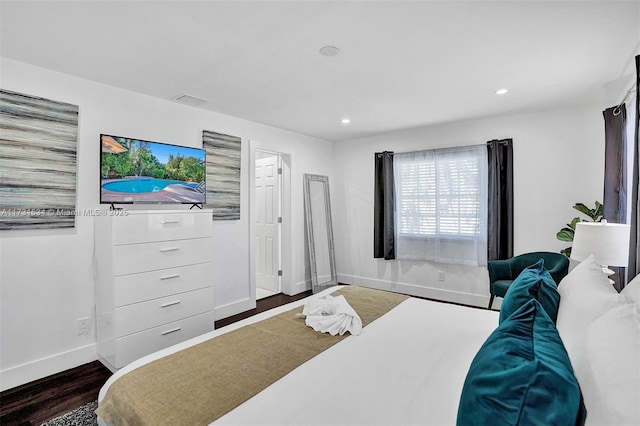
x: 607, y: 242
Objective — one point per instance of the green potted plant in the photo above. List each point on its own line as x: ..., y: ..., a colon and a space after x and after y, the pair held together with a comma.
x: 567, y: 233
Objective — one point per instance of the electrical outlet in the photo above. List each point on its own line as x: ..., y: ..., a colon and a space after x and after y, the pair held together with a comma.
x: 440, y: 275
x: 83, y: 326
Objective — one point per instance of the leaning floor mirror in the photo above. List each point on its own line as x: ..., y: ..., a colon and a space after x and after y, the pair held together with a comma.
x: 319, y: 232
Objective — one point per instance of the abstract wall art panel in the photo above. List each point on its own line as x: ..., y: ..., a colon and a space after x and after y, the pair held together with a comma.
x: 223, y: 174
x: 38, y: 147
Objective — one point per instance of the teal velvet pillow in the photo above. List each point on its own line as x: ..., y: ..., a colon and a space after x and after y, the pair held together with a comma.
x: 534, y: 282
x: 522, y: 376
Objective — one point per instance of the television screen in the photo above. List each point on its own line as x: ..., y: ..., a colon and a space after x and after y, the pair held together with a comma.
x: 137, y: 171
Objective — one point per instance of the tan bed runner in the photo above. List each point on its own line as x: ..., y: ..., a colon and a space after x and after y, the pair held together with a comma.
x: 202, y: 383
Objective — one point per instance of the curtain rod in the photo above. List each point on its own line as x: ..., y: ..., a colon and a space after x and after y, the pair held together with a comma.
x: 616, y: 110
x: 500, y: 142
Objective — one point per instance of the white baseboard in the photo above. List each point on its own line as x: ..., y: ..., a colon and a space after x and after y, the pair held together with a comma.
x: 419, y: 290
x: 299, y: 288
x: 38, y: 369
x: 224, y: 311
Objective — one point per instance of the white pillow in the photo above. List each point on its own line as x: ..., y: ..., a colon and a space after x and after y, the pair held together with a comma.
x: 585, y: 294
x: 606, y: 363
x: 631, y: 292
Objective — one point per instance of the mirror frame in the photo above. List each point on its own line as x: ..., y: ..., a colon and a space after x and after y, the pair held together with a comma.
x: 315, y: 285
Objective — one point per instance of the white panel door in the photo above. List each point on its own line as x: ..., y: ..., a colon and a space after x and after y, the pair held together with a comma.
x: 267, y: 226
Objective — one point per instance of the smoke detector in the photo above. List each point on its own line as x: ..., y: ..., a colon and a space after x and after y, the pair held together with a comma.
x: 329, y: 51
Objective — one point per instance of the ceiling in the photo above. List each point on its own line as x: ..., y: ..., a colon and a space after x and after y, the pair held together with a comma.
x: 401, y: 64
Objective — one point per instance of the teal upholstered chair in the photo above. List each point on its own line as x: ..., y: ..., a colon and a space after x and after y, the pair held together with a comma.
x: 503, y: 272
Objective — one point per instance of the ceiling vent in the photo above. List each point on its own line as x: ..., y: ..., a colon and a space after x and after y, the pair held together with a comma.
x: 190, y: 100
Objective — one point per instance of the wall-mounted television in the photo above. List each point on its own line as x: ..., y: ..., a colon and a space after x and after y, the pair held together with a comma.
x: 139, y: 171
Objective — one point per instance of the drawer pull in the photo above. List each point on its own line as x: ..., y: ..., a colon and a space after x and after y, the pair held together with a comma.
x: 165, y: 305
x: 168, y: 222
x: 173, y: 330
x: 168, y: 249
x: 168, y: 277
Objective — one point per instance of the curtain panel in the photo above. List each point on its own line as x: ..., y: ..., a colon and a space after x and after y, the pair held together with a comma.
x: 384, y: 204
x: 615, y: 175
x: 500, y: 203
x: 634, y: 248
x: 615, y: 160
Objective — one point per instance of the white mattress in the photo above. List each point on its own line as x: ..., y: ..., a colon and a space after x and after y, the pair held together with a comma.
x: 407, y: 367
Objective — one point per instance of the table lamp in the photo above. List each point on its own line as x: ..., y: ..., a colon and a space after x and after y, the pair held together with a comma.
x: 607, y: 242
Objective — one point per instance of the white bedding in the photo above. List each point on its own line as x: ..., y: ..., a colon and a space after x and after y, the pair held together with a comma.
x: 407, y: 367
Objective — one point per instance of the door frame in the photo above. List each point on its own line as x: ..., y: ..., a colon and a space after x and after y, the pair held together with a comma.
x: 286, y: 285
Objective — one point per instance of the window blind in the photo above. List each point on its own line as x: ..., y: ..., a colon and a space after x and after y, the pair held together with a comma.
x: 441, y: 204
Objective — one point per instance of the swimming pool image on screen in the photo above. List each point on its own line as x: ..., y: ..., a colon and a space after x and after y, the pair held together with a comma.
x: 139, y: 171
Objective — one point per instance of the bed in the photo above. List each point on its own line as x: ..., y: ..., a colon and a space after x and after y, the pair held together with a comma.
x: 412, y: 364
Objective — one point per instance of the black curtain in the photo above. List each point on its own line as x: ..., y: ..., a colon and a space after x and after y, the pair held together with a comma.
x: 634, y: 249
x: 615, y: 159
x: 384, y: 221
x: 615, y: 176
x: 500, y: 214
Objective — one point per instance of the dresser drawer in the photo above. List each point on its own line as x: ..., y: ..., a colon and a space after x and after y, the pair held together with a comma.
x: 134, y: 258
x: 134, y: 346
x: 145, y: 228
x: 143, y: 286
x: 151, y: 313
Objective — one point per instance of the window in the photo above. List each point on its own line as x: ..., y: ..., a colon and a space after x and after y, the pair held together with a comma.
x: 441, y: 205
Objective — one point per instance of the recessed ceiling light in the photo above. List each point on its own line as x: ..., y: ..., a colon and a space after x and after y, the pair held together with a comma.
x: 345, y: 121
x: 329, y: 51
x: 502, y: 91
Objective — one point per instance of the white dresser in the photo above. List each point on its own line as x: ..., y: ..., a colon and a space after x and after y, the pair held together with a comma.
x: 154, y: 281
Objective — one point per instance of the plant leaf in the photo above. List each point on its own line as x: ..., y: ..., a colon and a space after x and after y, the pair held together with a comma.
x: 594, y: 214
x: 583, y: 209
x: 565, y: 234
x: 599, y: 210
x: 575, y: 220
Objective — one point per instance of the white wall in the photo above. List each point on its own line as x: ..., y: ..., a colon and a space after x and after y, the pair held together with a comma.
x: 46, y: 277
x: 558, y: 161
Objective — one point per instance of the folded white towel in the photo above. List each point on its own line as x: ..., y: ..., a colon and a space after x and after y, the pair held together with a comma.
x: 332, y: 315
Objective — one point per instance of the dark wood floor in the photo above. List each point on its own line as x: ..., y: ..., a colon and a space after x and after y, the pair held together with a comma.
x: 41, y: 400
x: 263, y: 305
x: 36, y: 402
